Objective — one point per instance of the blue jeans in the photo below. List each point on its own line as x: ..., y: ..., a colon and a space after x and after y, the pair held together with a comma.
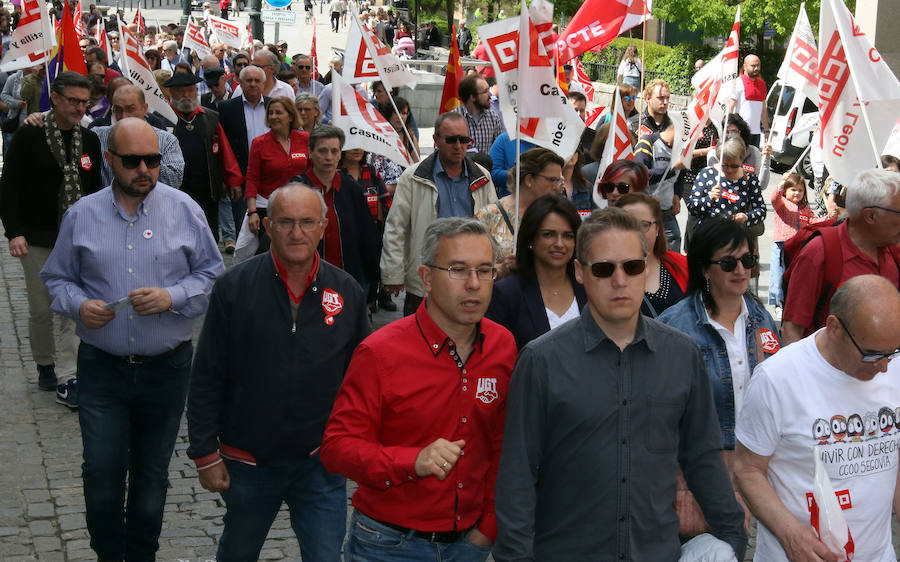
x: 370, y: 541
x: 226, y: 220
x: 673, y: 233
x: 129, y: 416
x: 776, y: 270
x: 317, y: 501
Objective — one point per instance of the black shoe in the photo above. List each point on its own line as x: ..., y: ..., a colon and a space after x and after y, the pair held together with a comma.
x: 386, y: 303
x: 47, y: 377
x: 67, y: 394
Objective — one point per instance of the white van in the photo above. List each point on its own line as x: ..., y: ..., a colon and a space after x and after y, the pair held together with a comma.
x: 792, y: 127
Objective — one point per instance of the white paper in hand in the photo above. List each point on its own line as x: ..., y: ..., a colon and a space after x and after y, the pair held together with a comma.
x: 832, y: 527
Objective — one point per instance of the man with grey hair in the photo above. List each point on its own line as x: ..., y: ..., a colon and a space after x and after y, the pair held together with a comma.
x: 447, y: 183
x: 418, y: 420
x: 171, y: 57
x: 302, y: 66
x: 602, y: 412
x: 821, y: 397
x: 269, y: 363
x: 272, y: 87
x: 866, y: 242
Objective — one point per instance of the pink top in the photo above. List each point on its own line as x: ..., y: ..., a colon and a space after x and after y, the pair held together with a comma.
x: 789, y: 218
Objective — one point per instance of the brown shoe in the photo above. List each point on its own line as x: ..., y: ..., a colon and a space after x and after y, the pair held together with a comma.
x: 229, y: 247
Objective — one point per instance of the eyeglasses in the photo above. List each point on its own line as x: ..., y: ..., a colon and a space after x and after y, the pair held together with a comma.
x: 454, y: 139
x: 287, y: 225
x: 462, y: 273
x: 77, y: 101
x: 608, y: 187
x: 605, y: 269
x: 132, y: 161
x: 240, y: 64
x: 555, y: 180
x: 729, y: 263
x: 867, y: 357
x: 303, y: 66
x: 645, y: 225
x: 888, y: 209
x: 629, y: 98
x: 731, y: 166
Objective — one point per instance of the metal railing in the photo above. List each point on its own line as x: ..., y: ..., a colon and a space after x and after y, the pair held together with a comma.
x: 606, y: 73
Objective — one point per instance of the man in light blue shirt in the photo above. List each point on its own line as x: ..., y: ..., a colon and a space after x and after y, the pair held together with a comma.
x: 453, y: 191
x: 134, y: 265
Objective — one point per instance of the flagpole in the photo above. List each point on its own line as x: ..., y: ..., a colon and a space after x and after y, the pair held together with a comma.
x: 862, y: 106
x: 803, y: 155
x: 643, y: 68
x: 518, y: 172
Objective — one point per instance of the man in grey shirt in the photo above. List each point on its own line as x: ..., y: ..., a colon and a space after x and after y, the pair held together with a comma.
x: 601, y: 413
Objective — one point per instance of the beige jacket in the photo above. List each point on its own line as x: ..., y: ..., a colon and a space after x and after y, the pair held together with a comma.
x: 413, y: 209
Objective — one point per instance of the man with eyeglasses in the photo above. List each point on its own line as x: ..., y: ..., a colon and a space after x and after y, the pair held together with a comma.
x: 275, y: 345
x: 419, y: 418
x: 798, y: 405
x: 303, y: 70
x: 484, y: 123
x: 866, y: 242
x: 46, y: 170
x: 134, y: 265
x: 445, y: 184
x: 601, y: 413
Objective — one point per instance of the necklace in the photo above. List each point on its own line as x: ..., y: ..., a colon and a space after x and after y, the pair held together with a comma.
x: 189, y: 125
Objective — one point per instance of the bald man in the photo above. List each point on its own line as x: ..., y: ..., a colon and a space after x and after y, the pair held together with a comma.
x: 836, y: 390
x: 134, y: 265
x: 749, y: 100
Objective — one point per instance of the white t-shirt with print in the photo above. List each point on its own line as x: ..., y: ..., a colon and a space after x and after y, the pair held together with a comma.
x: 796, y: 400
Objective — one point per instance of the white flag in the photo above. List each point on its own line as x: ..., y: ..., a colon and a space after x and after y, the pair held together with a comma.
x: 367, y: 58
x: 225, y: 31
x: 32, y: 38
x: 194, y: 39
x: 847, y: 59
x: 538, y: 93
x: 561, y: 133
x: 801, y: 60
x: 136, y: 69
x: 364, y: 127
x: 617, y: 146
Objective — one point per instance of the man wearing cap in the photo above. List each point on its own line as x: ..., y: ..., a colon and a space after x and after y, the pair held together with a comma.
x: 218, y: 88
x: 205, y: 146
x: 134, y: 264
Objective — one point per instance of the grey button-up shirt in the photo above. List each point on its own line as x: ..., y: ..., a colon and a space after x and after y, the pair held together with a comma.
x: 593, y: 440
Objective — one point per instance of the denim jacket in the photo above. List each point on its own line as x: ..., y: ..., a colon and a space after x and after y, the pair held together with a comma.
x: 690, y: 317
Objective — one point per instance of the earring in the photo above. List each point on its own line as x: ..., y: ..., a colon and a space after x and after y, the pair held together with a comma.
x: 707, y: 285
x: 531, y: 246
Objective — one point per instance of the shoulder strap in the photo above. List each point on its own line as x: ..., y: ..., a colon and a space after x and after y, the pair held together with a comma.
x: 831, y: 242
x: 505, y: 217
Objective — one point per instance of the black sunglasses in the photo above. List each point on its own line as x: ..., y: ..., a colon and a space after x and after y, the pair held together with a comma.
x: 605, y: 269
x: 303, y: 66
x: 453, y: 139
x: 729, y: 263
x: 132, y: 161
x: 609, y: 187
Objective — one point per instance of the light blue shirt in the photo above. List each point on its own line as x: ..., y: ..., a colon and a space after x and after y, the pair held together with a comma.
x: 454, y: 199
x: 104, y: 254
x: 255, y: 118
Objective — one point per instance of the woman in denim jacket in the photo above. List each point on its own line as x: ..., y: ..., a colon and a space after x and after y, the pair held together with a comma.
x: 730, y: 326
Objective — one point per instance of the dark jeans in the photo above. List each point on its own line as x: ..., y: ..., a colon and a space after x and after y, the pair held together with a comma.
x: 129, y: 416
x: 411, y: 304
x: 238, y: 210
x: 335, y: 21
x: 371, y: 541
x: 317, y: 501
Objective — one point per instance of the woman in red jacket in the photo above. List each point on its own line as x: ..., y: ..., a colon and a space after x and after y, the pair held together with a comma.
x: 667, y: 272
x: 275, y: 157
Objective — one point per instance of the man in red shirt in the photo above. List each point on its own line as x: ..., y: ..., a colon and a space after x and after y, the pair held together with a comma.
x: 868, y: 241
x: 418, y: 422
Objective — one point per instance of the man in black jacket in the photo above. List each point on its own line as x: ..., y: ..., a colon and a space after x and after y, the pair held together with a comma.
x: 351, y: 240
x: 47, y: 169
x: 268, y: 366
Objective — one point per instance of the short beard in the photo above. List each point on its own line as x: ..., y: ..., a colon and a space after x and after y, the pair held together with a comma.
x: 130, y: 191
x: 185, y: 105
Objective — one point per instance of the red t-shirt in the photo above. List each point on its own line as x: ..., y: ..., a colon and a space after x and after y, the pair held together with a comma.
x: 269, y: 166
x: 332, y: 251
x: 808, y: 275
x: 403, y: 390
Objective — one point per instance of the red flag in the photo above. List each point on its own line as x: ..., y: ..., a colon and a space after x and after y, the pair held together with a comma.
x: 313, y: 55
x: 139, y: 21
x: 450, y: 97
x: 618, y: 143
x: 598, y: 22
x: 560, y: 74
x: 69, y: 51
x: 79, y: 23
x: 580, y: 77
x: 250, y: 35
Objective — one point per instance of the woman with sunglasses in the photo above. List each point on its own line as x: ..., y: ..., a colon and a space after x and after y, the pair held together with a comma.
x: 729, y: 325
x: 540, y: 172
x: 543, y: 293
x: 152, y: 56
x: 275, y: 157
x: 667, y: 272
x: 619, y: 178
x: 727, y: 190
x: 628, y: 95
